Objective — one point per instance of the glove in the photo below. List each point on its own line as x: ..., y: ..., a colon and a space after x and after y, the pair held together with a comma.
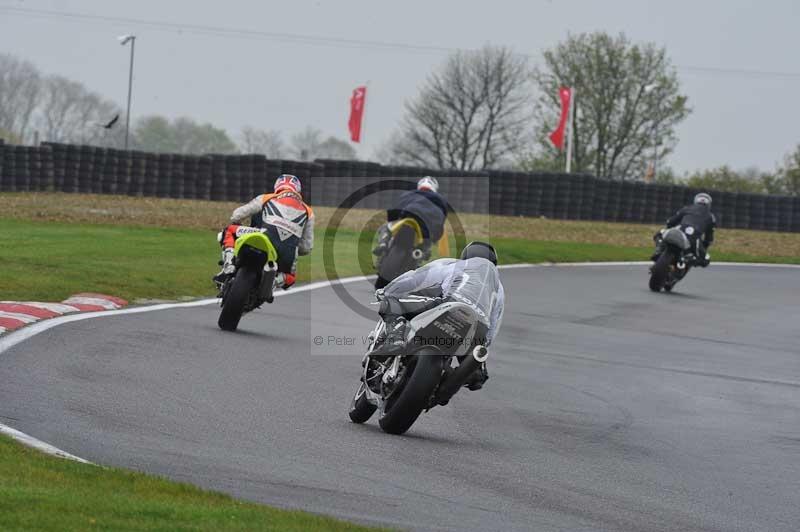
x: 658, y: 235
x: 379, y: 295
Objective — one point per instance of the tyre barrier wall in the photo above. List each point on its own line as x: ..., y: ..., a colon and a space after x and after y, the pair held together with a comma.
x: 327, y: 182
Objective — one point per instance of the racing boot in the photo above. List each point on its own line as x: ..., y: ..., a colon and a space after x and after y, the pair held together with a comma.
x: 656, y: 254
x: 227, y: 266
x: 394, y: 338
x: 285, y: 280
x: 659, y: 241
x: 384, y: 236
x: 478, y: 378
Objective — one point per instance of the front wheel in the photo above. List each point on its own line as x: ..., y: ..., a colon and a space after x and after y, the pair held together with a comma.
x: 235, y: 299
x: 402, y: 408
x: 361, y: 409
x: 660, y: 271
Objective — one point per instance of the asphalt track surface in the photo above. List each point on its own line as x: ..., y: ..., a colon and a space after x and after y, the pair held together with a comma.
x: 608, y: 408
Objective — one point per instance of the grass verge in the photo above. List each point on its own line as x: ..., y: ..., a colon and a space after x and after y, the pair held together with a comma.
x: 48, y: 261
x: 40, y: 492
x: 196, y: 214
x: 44, y: 261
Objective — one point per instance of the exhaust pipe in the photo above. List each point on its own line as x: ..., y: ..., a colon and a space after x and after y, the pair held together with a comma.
x: 267, y: 280
x: 458, y: 376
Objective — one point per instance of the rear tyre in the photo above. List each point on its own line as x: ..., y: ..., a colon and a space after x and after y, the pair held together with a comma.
x: 361, y: 409
x: 235, y: 299
x: 658, y: 275
x: 404, y: 406
x: 398, y: 257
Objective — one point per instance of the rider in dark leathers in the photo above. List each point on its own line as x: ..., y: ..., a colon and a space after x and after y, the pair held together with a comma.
x: 426, y: 206
x: 697, y: 222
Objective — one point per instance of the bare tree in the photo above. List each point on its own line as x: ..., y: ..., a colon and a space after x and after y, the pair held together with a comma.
x: 59, y: 108
x: 306, y: 143
x: 20, y: 84
x: 69, y: 112
x: 269, y: 143
x: 628, y: 103
x: 470, y: 115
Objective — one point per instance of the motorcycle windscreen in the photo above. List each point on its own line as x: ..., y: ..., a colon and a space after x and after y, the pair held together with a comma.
x: 476, y: 283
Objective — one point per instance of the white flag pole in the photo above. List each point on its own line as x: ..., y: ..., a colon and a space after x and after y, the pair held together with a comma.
x: 570, y: 126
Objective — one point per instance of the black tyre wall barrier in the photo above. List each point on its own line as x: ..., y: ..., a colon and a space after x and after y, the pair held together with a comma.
x: 233, y: 178
x: 2, y: 151
x: 190, y: 174
x: 218, y: 178
x: 327, y: 182
x: 8, y: 183
x: 205, y: 177
x: 124, y: 167
x: 176, y: 176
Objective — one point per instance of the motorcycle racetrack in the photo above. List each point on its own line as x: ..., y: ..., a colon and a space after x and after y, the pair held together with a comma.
x: 608, y: 407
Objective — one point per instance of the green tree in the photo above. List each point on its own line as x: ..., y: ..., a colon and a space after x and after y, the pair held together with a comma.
x: 628, y: 102
x: 790, y: 173
x: 183, y: 135
x: 309, y: 144
x: 539, y: 161
x: 666, y: 176
x: 9, y: 137
x: 773, y: 184
x: 725, y: 179
x: 154, y: 134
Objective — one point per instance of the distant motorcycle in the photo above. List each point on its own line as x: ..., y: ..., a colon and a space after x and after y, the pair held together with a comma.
x: 405, y: 251
x: 251, y: 285
x: 400, y: 387
x: 675, y: 259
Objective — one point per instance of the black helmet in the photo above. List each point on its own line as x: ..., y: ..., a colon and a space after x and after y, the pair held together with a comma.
x: 479, y: 249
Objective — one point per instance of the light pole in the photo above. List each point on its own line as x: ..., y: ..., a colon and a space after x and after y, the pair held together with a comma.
x: 123, y: 40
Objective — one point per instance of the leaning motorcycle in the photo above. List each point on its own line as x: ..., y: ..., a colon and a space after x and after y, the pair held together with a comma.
x: 444, y: 346
x: 251, y: 284
x: 405, y: 250
x: 675, y: 260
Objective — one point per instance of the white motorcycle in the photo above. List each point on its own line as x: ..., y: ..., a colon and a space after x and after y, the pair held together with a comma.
x: 445, y: 345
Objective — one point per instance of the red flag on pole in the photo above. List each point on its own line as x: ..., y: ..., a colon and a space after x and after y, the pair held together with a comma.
x: 357, y: 102
x: 557, y: 136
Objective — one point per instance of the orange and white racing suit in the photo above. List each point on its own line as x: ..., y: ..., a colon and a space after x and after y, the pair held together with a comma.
x: 288, y: 222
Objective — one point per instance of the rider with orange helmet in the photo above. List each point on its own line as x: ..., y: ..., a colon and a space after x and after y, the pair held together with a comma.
x: 284, y: 217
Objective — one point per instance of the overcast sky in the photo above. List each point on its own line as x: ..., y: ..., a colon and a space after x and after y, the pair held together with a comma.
x: 744, y: 93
